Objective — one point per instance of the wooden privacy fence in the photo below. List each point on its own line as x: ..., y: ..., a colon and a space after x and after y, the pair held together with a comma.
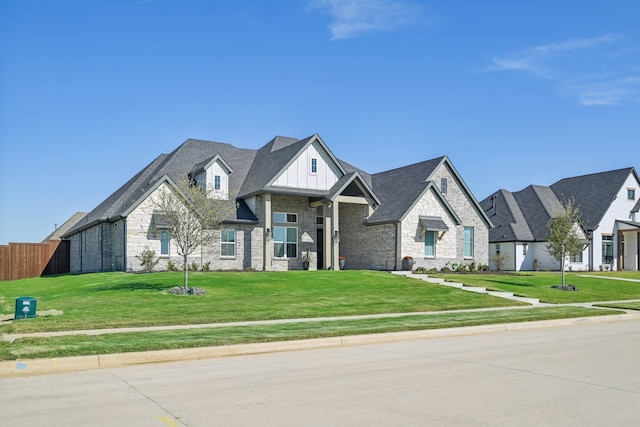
x: 23, y: 260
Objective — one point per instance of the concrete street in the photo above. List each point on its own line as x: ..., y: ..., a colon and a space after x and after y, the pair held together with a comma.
x: 582, y: 375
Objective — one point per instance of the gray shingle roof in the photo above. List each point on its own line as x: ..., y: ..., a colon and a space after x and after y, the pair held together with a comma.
x: 68, y: 224
x: 509, y: 223
x: 593, y: 193
x: 253, y: 171
x: 398, y: 189
x: 269, y: 160
x: 523, y: 215
x: 176, y: 166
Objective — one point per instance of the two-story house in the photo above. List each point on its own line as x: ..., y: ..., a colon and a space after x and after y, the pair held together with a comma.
x: 293, y: 196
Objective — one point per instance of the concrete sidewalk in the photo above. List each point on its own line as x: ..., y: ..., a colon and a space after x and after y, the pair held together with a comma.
x: 16, y: 368
x: 43, y: 366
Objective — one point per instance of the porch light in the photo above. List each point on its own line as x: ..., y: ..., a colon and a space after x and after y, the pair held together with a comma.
x: 336, y: 236
x: 268, y: 233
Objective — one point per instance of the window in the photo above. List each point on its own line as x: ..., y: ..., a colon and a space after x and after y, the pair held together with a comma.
x: 468, y: 242
x: 430, y: 243
x: 607, y: 249
x: 576, y: 258
x: 285, y: 239
x: 285, y: 242
x: 228, y: 243
x: 314, y: 165
x: 164, y: 243
x: 216, y: 182
x: 497, y: 248
x: 285, y: 218
x: 443, y: 185
x: 631, y: 193
x: 524, y: 249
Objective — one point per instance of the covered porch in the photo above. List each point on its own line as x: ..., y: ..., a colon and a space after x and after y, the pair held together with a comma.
x: 628, y: 245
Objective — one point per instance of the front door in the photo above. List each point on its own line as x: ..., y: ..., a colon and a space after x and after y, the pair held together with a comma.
x: 320, y: 248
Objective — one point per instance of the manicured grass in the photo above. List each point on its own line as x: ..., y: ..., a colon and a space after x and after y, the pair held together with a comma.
x: 31, y: 348
x: 622, y: 305
x: 113, y: 300
x: 538, y: 285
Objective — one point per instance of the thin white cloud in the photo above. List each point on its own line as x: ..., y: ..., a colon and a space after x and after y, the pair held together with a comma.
x: 534, y: 60
x: 605, y: 90
x: 571, y: 65
x: 354, y: 18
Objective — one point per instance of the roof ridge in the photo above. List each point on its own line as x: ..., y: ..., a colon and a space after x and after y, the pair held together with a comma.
x: 439, y: 159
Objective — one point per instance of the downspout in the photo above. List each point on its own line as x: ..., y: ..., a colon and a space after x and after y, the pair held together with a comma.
x: 395, y: 248
x: 80, y: 249
x: 124, y: 248
x: 102, y: 246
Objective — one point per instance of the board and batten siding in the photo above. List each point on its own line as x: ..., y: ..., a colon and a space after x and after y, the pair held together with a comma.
x: 299, y: 174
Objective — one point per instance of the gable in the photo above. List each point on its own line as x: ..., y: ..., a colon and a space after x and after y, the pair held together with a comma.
x: 313, y: 168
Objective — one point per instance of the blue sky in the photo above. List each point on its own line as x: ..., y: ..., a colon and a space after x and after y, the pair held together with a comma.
x: 515, y: 93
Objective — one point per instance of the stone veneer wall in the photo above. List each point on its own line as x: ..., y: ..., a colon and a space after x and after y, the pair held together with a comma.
x: 365, y: 247
x: 98, y: 248
x: 141, y: 234
x: 450, y: 249
x: 413, y: 239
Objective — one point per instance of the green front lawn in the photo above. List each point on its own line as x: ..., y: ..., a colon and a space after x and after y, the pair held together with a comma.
x: 114, y: 300
x: 538, y: 285
x: 76, y: 345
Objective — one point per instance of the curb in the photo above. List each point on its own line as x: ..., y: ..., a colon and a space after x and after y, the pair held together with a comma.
x: 30, y: 367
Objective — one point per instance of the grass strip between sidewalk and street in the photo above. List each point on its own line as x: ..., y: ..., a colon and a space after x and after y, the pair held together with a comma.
x: 78, y: 345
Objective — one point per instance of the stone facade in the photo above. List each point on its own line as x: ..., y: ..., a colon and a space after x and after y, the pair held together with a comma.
x: 450, y: 244
x: 98, y: 248
x: 370, y: 247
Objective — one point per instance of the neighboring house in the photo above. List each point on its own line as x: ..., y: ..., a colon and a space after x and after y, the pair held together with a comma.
x: 608, y: 203
x: 66, y: 226
x: 294, y: 196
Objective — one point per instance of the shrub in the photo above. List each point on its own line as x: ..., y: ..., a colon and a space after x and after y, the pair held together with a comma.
x: 461, y: 268
x: 206, y: 266
x: 500, y: 260
x: 148, y: 259
x: 193, y: 266
x: 445, y: 269
x: 420, y: 270
x: 171, y: 266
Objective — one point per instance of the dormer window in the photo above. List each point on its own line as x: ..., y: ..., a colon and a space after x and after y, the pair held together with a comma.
x: 213, y: 174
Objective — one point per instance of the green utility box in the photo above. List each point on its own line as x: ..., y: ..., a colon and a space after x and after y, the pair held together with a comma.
x: 25, y: 308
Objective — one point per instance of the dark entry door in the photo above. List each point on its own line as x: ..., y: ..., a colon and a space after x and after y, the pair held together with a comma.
x: 320, y: 246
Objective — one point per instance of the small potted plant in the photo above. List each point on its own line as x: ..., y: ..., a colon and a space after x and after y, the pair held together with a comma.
x: 306, y: 259
x: 341, y: 261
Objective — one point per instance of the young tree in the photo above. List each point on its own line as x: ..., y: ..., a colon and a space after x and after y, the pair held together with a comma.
x: 565, y: 235
x: 193, y: 216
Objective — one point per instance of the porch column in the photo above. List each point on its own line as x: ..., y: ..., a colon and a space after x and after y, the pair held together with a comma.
x: 620, y: 260
x: 327, y: 242
x: 335, y: 236
x: 267, y: 248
